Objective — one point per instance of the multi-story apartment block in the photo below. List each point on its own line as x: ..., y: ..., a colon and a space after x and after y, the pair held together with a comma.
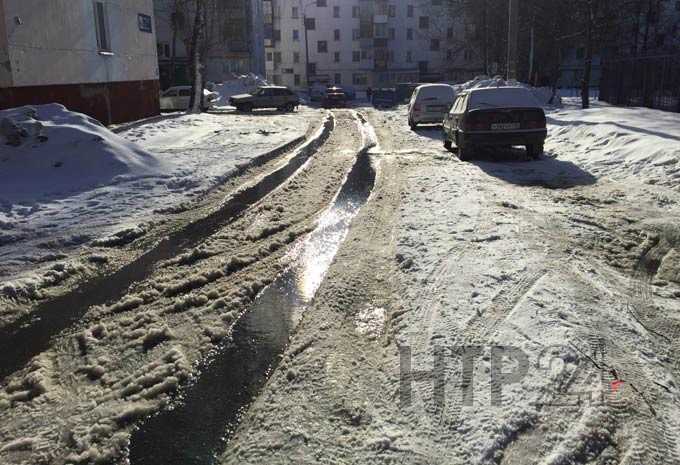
x: 235, y: 42
x: 364, y: 43
x: 93, y: 56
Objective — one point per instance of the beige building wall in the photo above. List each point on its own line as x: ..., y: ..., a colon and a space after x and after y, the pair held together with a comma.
x: 53, y: 42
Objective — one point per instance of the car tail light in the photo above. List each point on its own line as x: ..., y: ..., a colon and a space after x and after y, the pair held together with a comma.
x: 533, y: 120
x: 478, y: 121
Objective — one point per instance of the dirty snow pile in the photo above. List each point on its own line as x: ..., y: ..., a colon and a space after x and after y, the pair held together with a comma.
x: 48, y: 151
x: 638, y: 143
x: 542, y: 94
x: 241, y: 84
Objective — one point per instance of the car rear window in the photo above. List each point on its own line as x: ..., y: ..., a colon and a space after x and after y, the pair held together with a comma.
x: 502, y: 97
x: 437, y: 92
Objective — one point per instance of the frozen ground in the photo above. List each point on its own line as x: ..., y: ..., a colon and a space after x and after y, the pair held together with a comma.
x: 115, y: 189
x: 557, y: 281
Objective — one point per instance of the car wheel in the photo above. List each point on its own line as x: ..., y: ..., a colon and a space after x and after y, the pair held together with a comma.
x: 535, y: 151
x: 447, y: 143
x: 412, y: 124
x: 247, y: 108
x: 465, y: 153
x: 289, y: 107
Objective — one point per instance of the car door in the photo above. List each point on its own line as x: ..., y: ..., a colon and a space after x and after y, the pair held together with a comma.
x: 264, y: 100
x: 168, y: 99
x: 183, y: 98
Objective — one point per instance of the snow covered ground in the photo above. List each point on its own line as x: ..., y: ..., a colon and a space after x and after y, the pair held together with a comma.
x: 556, y: 281
x: 95, y: 186
x: 551, y: 279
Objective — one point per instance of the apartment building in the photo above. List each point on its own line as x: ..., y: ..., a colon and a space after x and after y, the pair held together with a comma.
x: 235, y: 42
x: 93, y: 56
x: 364, y: 43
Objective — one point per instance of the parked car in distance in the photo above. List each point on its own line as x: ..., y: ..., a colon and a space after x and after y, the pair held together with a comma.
x: 383, y: 98
x: 334, y: 97
x: 277, y: 97
x: 350, y: 92
x: 317, y: 92
x: 405, y: 91
x: 429, y: 104
x: 496, y: 116
x: 178, y: 98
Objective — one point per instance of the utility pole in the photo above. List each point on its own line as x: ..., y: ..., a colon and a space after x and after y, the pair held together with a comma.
x: 513, y: 38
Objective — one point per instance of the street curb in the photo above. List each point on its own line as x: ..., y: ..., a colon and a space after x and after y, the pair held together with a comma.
x: 152, y: 119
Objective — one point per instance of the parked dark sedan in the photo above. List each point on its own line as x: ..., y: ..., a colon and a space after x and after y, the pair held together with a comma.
x: 497, y: 116
x: 335, y: 97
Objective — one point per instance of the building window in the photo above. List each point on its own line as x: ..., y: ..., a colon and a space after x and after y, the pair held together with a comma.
x: 393, y: 33
x: 311, y: 69
x: 336, y: 57
x: 410, y: 11
x: 380, y: 30
x: 356, y: 34
x: 310, y: 24
x: 321, y: 3
x: 296, y: 80
x: 163, y: 50
x: 364, y: 54
x: 434, y: 45
x: 424, y: 22
x: 409, y: 57
x: 436, y: 2
x: 322, y: 46
x: 449, y: 33
x: 277, y: 58
x: 294, y: 13
x: 296, y: 35
x: 101, y: 25
x: 336, y: 11
x: 336, y: 34
x: 276, y: 35
x: 277, y: 79
x: 359, y: 79
x: 356, y: 56
x: 409, y: 34
x: 296, y: 57
x: 270, y: 56
x: 338, y: 78
x: 355, y: 12
x: 391, y: 11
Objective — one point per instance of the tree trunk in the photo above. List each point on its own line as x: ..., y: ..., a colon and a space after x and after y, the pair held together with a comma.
x: 173, y: 49
x: 588, y: 65
x: 196, y: 101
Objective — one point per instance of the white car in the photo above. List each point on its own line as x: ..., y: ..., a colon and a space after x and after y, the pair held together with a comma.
x: 429, y: 104
x: 178, y: 97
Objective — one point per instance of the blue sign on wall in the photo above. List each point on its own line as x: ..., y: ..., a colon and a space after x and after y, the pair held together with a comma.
x: 144, y: 23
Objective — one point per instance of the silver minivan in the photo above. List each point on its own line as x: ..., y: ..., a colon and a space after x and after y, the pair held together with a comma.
x: 430, y: 103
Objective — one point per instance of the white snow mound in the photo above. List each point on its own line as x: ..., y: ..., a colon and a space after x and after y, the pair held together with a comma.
x: 47, y: 152
x: 241, y: 84
x: 542, y: 94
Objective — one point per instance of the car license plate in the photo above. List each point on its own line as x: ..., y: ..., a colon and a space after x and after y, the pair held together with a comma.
x: 504, y: 126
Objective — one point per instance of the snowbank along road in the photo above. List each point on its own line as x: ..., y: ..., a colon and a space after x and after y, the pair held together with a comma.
x: 502, y: 311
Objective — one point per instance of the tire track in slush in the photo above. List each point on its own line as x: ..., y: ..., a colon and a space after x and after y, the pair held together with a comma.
x: 31, y: 334
x: 196, y: 430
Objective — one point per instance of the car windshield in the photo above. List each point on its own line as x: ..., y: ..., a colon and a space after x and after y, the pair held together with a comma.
x: 502, y: 97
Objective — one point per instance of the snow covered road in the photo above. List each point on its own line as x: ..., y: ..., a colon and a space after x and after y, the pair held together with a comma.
x: 534, y: 300
x: 502, y: 311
